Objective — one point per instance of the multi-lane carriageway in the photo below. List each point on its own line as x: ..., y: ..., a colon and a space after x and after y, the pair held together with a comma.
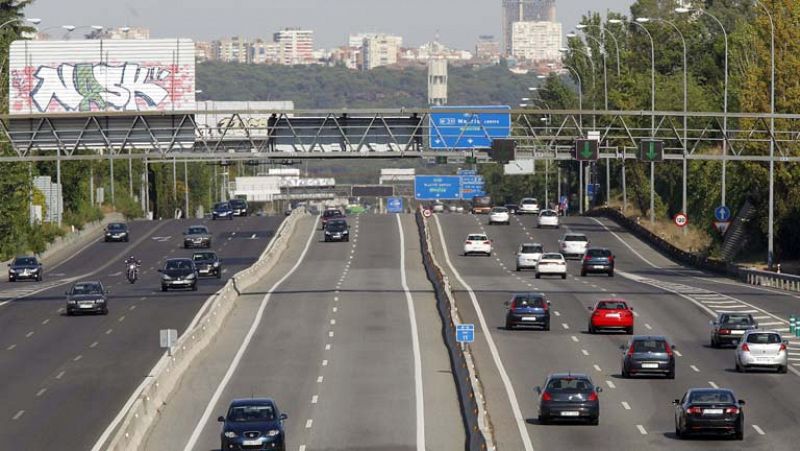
x: 349, y: 344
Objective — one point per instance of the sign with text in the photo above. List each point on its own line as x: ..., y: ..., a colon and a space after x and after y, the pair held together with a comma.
x: 462, y: 129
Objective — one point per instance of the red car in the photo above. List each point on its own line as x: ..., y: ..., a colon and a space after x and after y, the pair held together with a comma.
x: 611, y: 314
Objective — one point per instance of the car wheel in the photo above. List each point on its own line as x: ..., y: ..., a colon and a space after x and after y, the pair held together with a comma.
x: 592, y: 330
x: 629, y: 331
x: 104, y: 312
x: 671, y: 374
x: 543, y: 419
x: 538, y: 276
x: 611, y: 273
x: 583, y: 273
x: 679, y: 432
x: 714, y: 343
x: 595, y: 421
x: 126, y: 239
x: 194, y: 287
x: 11, y: 279
x: 625, y: 373
x: 739, y: 434
x: 39, y: 278
x: 163, y: 288
x: 219, y: 273
x: 783, y: 369
x: 739, y: 368
x: 563, y: 277
x: 546, y: 326
x: 509, y: 325
x: 213, y: 218
x: 518, y: 269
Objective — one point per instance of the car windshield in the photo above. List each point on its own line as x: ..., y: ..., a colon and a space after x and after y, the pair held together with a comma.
x: 477, y: 238
x: 611, y: 305
x: 649, y: 346
x: 236, y: 203
x: 764, y: 339
x: 25, y: 261
x: 531, y: 249
x: 575, y: 238
x: 528, y: 300
x: 222, y: 206
x: 711, y: 397
x: 598, y: 253
x: 569, y: 384
x: 197, y: 230
x: 499, y: 210
x: 116, y: 227
x: 736, y: 319
x: 86, y: 288
x: 337, y: 226
x: 203, y: 256
x: 246, y: 414
x: 178, y: 265
x: 552, y: 257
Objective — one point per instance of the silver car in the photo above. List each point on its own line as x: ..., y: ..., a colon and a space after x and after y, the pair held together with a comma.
x: 573, y: 245
x: 528, y: 255
x: 762, y: 349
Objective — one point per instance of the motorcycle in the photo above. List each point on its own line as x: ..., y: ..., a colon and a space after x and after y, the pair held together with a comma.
x: 133, y: 272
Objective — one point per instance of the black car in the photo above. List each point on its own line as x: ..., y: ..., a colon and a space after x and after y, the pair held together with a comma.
x: 116, y: 231
x: 207, y: 264
x: 222, y: 210
x: 337, y: 230
x: 239, y: 207
x: 709, y: 410
x: 730, y: 327
x: 598, y: 260
x: 197, y: 236
x: 87, y: 297
x: 648, y: 355
x: 569, y: 396
x: 513, y: 209
x: 528, y: 309
x: 331, y: 213
x: 25, y: 268
x: 253, y: 424
x: 179, y: 273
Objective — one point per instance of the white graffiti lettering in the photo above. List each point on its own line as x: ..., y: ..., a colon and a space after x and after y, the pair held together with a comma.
x: 56, y: 83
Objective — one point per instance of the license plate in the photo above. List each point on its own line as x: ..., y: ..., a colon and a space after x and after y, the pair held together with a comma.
x: 612, y: 315
x: 87, y: 305
x: 528, y: 318
x: 712, y: 411
x: 251, y: 442
x: 570, y: 414
x: 649, y: 365
x: 598, y: 266
x: 737, y: 332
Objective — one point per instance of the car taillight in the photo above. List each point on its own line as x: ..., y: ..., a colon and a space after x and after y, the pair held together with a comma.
x: 611, y: 259
x: 487, y: 242
x: 586, y: 258
x: 694, y: 411
x: 630, y: 351
x: 724, y: 331
x: 546, y: 396
x: 668, y: 348
x: 732, y: 410
x: 745, y: 348
x: 592, y: 396
x: 783, y: 347
x: 468, y: 242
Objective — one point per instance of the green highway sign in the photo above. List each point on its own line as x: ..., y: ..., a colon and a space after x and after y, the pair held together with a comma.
x: 586, y: 150
x: 651, y: 150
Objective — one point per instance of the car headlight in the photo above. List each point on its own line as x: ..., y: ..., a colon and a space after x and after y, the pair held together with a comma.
x: 35, y: 269
x: 166, y: 277
x: 99, y: 301
x: 230, y: 434
x: 72, y: 301
x: 216, y: 264
x: 12, y: 270
x: 273, y: 432
x: 190, y: 276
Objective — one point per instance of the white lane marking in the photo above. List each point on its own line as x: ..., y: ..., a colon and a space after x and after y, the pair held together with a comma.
x: 309, y: 422
x: 641, y: 429
x: 333, y: 321
x: 512, y: 397
x: 574, y: 338
x: 121, y: 318
x: 324, y: 363
x: 565, y: 325
x: 40, y: 392
x: 336, y: 298
x: 649, y: 327
x: 557, y: 313
x: 18, y: 415
x: 412, y: 319
x: 626, y: 245
x: 94, y: 345
x: 77, y: 357
x: 597, y: 368
x: 320, y: 379
x: 677, y: 353
x: 327, y: 346
x: 108, y: 332
x: 625, y: 405
x: 330, y: 333
x: 694, y: 368
x: 758, y: 429
x: 610, y: 384
x: 45, y: 321
x: 712, y: 384
x: 29, y: 334
x: 60, y: 375
x: 314, y: 399
x: 584, y: 352
x: 11, y: 348
x: 236, y: 359
x: 335, y: 309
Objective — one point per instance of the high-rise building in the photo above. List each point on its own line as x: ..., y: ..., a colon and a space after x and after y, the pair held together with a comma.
x: 536, y: 41
x: 233, y: 50
x: 380, y: 50
x: 295, y: 46
x: 525, y: 11
x: 487, y: 50
x: 203, y: 51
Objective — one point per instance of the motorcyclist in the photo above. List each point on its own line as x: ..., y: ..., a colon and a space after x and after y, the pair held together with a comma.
x: 132, y: 265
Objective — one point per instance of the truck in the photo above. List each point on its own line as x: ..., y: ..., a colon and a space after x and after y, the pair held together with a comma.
x: 481, y: 205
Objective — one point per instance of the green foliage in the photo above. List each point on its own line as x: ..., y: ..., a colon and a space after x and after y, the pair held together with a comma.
x: 128, y: 207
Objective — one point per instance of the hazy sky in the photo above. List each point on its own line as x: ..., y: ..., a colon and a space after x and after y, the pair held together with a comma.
x: 459, y: 22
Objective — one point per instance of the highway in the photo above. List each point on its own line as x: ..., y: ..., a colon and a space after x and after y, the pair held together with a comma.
x: 668, y: 300
x: 66, y: 377
x: 334, y: 347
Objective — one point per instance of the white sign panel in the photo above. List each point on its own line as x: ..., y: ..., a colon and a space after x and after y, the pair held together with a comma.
x: 239, y: 121
x: 518, y: 167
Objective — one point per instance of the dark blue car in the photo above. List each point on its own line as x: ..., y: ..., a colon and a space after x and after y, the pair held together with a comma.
x: 253, y: 424
x: 528, y: 309
x: 222, y: 210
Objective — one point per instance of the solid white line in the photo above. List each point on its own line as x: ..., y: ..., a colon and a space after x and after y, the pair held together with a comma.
x: 712, y: 384
x: 512, y: 396
x: 758, y: 429
x: 625, y: 243
x: 641, y: 429
x: 626, y: 406
x: 412, y: 319
x: 240, y: 353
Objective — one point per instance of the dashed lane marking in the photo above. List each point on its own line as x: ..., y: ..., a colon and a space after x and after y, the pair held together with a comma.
x: 584, y: 352
x: 60, y: 375
x: 11, y: 348
x: 641, y: 429
x: 77, y: 357
x: 694, y: 368
x: 314, y: 399
x: 597, y: 368
x: 610, y: 384
x: 327, y: 346
x: 309, y: 422
x: 324, y: 363
x: 557, y: 313
x: 712, y: 384
x: 565, y: 325
x: 677, y: 353
x: 94, y: 345
x: 320, y: 379
x: 574, y: 338
x: 649, y: 327
x: 40, y: 392
x: 759, y: 430
x: 625, y: 405
x: 18, y: 415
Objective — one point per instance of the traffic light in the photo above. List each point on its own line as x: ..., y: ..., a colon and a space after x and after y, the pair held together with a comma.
x: 651, y: 151
x: 503, y: 150
x: 441, y: 159
x: 586, y: 150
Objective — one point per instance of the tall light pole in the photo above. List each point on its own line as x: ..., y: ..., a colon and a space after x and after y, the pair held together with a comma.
x: 605, y: 72
x: 580, y: 121
x: 594, y: 78
x: 725, y: 99
x: 583, y: 26
x: 652, y: 112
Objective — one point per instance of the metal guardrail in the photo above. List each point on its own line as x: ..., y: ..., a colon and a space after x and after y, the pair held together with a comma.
x: 769, y: 279
x: 472, y: 413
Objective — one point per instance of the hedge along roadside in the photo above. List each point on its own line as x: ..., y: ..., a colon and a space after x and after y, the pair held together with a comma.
x: 132, y: 424
x: 473, y: 411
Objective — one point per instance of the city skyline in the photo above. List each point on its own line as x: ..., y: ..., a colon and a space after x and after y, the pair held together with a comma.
x: 418, y: 21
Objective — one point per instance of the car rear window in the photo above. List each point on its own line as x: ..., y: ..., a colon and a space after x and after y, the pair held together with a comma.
x: 532, y: 249
x: 598, y: 253
x: 529, y: 201
x: 569, y: 384
x: 86, y: 288
x: 711, y: 397
x: 222, y: 205
x: 575, y: 238
x: 525, y: 300
x: 611, y: 305
x: 244, y: 414
x: 549, y: 213
x: 203, y: 256
x: 649, y: 346
x: 764, y: 339
x: 552, y: 257
x: 477, y: 238
x: 116, y: 226
x: 736, y: 319
x: 499, y: 210
x: 329, y: 213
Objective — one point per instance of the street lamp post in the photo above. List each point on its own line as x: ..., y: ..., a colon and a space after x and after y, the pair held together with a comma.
x: 580, y: 121
x: 602, y: 29
x: 594, y: 80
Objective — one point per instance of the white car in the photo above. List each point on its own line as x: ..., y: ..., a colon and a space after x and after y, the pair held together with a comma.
x: 438, y: 207
x: 551, y: 264
x: 762, y: 349
x: 548, y: 218
x: 528, y: 206
x: 478, y: 243
x: 573, y: 245
x: 499, y: 215
x: 528, y: 255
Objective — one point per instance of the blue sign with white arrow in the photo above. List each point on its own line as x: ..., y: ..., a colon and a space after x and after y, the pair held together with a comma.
x: 433, y: 187
x: 722, y: 213
x: 460, y: 130
x: 465, y: 333
x: 394, y: 205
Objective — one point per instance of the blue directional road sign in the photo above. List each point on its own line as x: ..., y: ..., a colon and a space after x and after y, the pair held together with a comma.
x: 433, y: 187
x: 394, y: 205
x: 472, y: 186
x: 467, y: 172
x: 459, y: 130
x: 465, y: 333
x: 722, y: 213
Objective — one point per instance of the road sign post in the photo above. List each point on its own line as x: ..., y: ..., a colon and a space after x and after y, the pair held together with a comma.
x: 680, y: 220
x: 465, y: 333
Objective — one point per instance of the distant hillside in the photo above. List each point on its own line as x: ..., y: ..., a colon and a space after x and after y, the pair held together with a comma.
x: 337, y: 87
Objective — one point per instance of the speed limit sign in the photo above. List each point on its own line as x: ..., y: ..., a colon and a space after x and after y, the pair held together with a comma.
x: 426, y: 212
x: 680, y: 220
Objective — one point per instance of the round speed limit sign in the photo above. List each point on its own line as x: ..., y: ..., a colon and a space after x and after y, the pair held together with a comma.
x: 680, y: 220
x: 426, y: 212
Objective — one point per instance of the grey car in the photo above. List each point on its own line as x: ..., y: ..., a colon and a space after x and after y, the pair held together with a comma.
x: 207, y: 264
x: 569, y: 396
x: 87, y: 297
x: 25, y: 268
x: 764, y: 349
x: 197, y: 236
x: 728, y: 328
x: 648, y: 355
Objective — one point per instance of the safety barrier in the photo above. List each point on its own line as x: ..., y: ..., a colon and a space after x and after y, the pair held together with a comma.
x: 155, y: 390
x: 473, y: 408
x: 769, y: 279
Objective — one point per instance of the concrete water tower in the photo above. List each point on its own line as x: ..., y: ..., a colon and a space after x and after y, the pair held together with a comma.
x: 437, y: 82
